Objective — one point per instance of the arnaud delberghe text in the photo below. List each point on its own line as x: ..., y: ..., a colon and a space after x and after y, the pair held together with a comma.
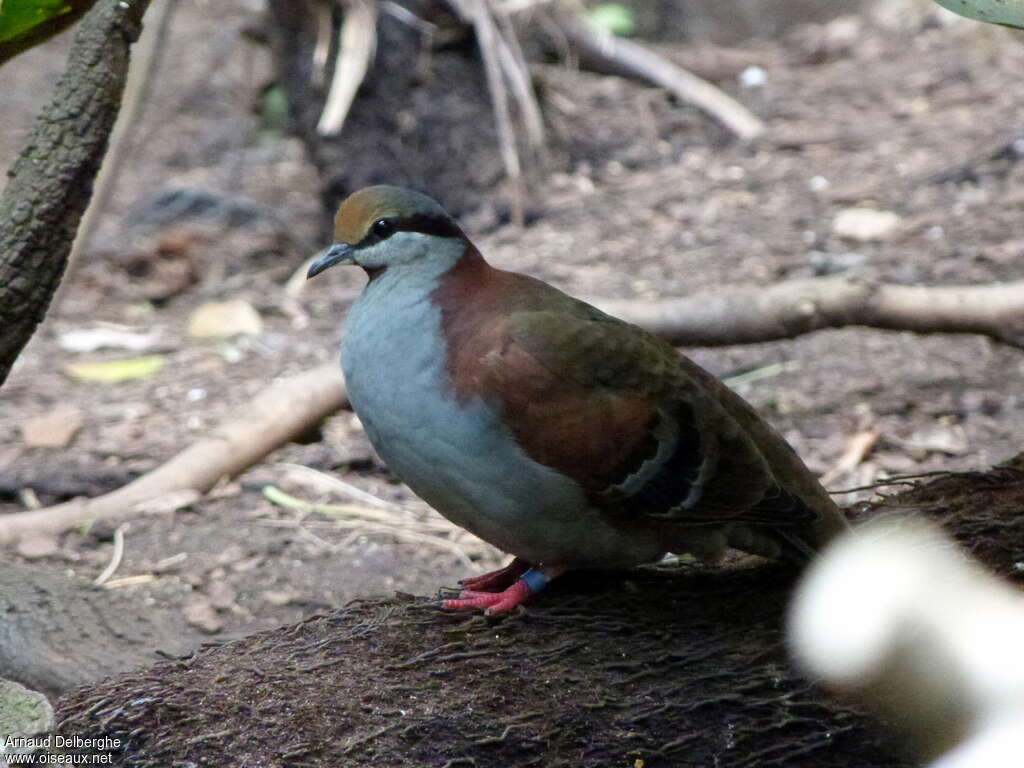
x: 55, y: 741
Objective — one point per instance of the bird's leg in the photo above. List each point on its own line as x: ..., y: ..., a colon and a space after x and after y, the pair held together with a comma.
x: 495, y: 581
x: 531, y: 582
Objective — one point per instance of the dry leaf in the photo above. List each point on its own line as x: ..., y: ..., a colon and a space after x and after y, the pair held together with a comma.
x: 223, y: 319
x: 54, y: 429
x: 116, y: 370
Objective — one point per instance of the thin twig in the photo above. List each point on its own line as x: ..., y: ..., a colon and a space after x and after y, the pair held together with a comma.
x: 509, y: 7
x: 115, y: 558
x: 634, y: 60
x: 477, y: 13
x: 321, y: 12
x: 130, y: 581
x: 898, y: 480
x: 513, y: 63
x: 858, y: 447
x: 358, y: 43
x: 317, y: 478
x: 360, y: 529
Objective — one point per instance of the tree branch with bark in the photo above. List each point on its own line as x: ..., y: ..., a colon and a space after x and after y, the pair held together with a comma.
x: 749, y: 314
x: 51, y: 182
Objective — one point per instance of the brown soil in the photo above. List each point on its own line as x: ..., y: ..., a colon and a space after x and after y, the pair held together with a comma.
x: 648, y: 198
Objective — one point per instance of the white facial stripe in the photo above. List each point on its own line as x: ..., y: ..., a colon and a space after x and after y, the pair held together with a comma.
x: 415, y: 250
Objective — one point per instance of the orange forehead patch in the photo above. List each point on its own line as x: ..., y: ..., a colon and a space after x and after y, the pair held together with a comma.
x: 361, y: 209
x: 354, y: 217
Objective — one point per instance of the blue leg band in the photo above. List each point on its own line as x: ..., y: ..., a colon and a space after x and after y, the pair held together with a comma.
x: 535, y: 580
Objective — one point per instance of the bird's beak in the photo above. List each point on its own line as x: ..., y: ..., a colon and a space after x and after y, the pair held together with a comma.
x: 339, y: 253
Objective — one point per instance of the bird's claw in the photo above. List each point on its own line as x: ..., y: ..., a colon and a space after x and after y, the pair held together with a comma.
x: 495, y: 603
x: 495, y: 581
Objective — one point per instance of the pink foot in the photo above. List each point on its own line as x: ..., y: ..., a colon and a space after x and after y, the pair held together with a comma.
x: 494, y: 602
x: 534, y: 580
x: 495, y: 581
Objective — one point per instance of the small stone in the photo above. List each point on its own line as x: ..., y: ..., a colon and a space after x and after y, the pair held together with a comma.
x: 38, y: 545
x: 222, y: 595
x: 865, y: 224
x: 279, y: 597
x: 202, y: 615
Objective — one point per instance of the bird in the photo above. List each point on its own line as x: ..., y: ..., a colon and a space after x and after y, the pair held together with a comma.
x: 559, y: 434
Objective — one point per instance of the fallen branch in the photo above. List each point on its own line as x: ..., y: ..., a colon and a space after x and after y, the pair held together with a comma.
x: 275, y: 416
x: 745, y: 315
x: 601, y: 50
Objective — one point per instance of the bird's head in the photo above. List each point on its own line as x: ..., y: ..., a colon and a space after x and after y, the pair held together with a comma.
x: 380, y: 228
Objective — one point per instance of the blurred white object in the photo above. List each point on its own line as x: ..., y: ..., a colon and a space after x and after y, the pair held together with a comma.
x: 107, y: 337
x: 753, y: 77
x: 898, y: 617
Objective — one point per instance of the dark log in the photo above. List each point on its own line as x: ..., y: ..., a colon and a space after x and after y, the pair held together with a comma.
x: 57, y: 632
x: 678, y: 667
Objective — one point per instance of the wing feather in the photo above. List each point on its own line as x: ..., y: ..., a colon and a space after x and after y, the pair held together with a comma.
x: 614, y: 408
x: 645, y: 432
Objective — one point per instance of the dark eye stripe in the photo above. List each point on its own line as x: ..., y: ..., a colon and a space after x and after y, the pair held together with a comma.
x: 426, y: 224
x: 440, y: 226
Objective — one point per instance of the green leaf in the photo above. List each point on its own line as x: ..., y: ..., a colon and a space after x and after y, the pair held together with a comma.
x: 612, y: 17
x: 275, y: 495
x: 116, y: 370
x: 1009, y: 13
x: 338, y: 511
x: 19, y: 17
x: 274, y: 108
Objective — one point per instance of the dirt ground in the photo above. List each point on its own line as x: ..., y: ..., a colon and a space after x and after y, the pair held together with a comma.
x: 907, y: 110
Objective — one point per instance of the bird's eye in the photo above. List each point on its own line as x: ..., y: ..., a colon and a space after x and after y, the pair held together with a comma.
x: 383, y: 228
